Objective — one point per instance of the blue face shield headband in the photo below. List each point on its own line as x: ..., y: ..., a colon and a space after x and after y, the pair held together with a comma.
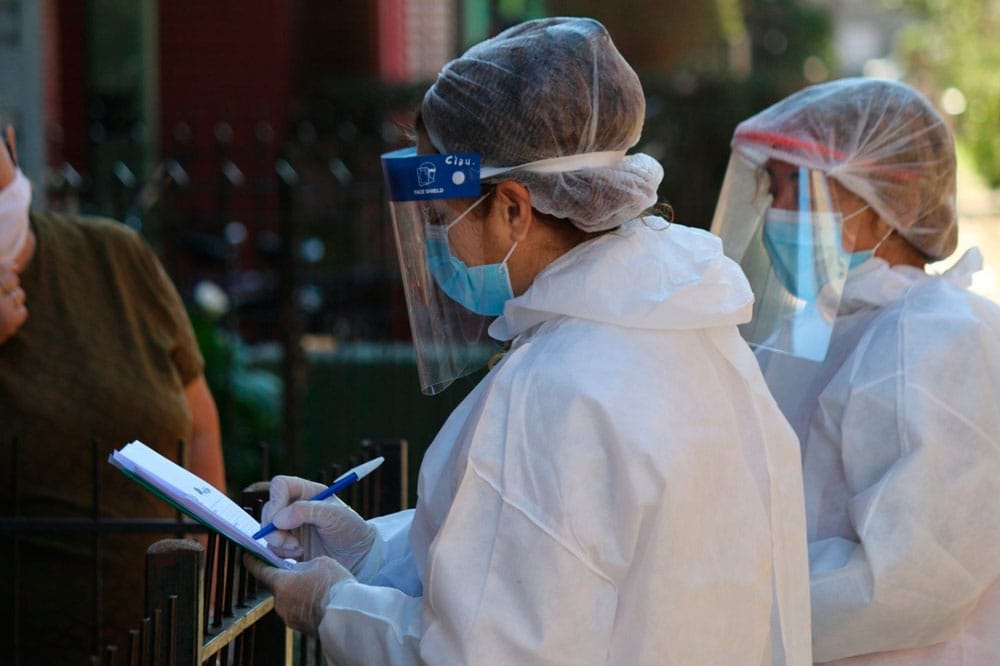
x: 482, y: 289
x: 451, y: 300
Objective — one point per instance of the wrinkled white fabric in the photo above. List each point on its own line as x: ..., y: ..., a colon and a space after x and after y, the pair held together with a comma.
x: 899, y: 430
x: 619, y: 489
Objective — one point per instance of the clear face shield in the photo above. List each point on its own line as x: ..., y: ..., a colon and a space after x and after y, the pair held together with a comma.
x: 783, y: 225
x: 450, y: 285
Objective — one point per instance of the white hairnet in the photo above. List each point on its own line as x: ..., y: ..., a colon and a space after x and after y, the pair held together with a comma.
x: 881, y: 140
x: 545, y: 89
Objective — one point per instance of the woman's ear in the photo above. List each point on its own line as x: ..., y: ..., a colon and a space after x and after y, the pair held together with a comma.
x: 513, y: 201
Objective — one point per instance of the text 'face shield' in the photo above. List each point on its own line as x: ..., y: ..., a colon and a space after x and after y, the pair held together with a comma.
x: 783, y: 225
x: 431, y: 197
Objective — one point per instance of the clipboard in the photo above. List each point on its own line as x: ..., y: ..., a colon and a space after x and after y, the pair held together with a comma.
x: 195, y: 497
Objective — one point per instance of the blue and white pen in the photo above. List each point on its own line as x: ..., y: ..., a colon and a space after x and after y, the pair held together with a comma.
x: 351, y: 476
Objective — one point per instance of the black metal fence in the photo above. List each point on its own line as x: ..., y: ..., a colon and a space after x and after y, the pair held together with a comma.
x: 204, y: 608
x: 37, y: 540
x: 175, y: 628
x: 287, y: 224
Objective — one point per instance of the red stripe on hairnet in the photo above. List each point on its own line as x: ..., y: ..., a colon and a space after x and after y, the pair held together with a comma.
x: 784, y: 141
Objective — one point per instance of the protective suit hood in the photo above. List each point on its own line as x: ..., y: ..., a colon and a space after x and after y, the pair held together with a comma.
x: 646, y: 275
x: 876, y: 284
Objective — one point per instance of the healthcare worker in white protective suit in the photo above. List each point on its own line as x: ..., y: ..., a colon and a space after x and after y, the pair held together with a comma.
x: 620, y: 488
x: 835, y: 199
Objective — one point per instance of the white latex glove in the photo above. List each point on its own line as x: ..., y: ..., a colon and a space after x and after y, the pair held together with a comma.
x: 299, y: 593
x: 310, y: 529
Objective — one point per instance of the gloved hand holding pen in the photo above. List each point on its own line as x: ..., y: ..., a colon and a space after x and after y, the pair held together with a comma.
x: 308, y: 529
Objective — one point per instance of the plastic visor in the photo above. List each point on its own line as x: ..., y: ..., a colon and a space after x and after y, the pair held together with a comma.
x: 426, y: 191
x: 792, y: 256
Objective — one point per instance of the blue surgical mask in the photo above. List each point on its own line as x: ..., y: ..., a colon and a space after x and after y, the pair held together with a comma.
x: 481, y: 289
x: 806, y: 249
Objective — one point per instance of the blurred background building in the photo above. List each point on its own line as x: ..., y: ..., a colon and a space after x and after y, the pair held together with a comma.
x: 241, y: 138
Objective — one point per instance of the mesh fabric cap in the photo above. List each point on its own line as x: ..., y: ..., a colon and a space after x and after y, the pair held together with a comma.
x: 881, y: 140
x: 545, y: 89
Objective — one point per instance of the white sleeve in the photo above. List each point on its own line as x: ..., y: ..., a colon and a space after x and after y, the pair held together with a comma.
x: 375, y: 618
x: 390, y: 561
x: 922, y: 462
x: 367, y: 624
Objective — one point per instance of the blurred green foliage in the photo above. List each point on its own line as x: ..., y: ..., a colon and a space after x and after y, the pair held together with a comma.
x: 954, y: 43
x: 788, y: 36
x: 248, y: 399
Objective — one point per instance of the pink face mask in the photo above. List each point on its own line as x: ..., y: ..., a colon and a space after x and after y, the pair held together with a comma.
x: 15, y: 199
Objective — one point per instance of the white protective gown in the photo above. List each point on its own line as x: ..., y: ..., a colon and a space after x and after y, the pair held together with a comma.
x: 619, y: 489
x: 901, y: 459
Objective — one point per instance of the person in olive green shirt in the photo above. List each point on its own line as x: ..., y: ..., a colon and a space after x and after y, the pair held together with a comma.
x: 95, y: 346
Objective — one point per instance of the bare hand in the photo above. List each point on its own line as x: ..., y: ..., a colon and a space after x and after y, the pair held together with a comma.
x: 13, y: 312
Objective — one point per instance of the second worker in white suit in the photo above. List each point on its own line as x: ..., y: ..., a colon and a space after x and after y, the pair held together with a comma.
x: 836, y: 199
